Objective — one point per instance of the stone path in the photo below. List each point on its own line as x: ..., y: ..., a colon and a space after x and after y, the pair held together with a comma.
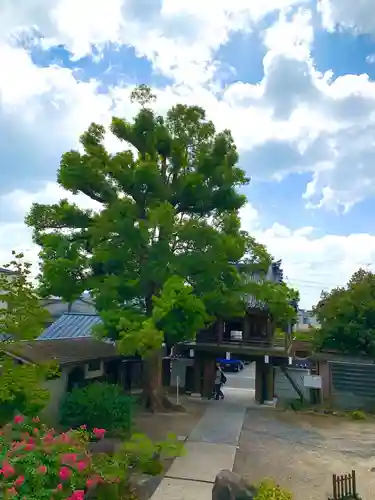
x: 211, y: 447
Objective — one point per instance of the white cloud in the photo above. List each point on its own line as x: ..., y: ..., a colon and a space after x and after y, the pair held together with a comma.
x: 295, y: 119
x: 358, y: 16
x: 312, y: 262
x: 179, y: 37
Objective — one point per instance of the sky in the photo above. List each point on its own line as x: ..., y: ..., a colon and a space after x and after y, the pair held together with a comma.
x: 294, y: 80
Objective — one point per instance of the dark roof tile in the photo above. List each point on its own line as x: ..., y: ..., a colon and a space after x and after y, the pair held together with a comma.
x: 64, y: 351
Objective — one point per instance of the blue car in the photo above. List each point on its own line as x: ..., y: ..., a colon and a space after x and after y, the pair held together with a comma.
x: 230, y: 365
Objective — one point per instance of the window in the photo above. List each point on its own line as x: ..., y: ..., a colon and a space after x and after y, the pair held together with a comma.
x: 94, y: 366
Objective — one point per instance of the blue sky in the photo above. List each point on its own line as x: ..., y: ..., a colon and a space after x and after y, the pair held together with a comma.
x: 293, y: 81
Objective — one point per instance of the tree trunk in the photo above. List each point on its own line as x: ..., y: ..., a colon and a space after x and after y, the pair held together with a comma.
x: 153, y: 396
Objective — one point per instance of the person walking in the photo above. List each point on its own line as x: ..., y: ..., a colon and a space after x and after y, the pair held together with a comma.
x: 220, y: 380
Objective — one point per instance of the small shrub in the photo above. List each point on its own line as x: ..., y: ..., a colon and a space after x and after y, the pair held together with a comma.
x: 100, y: 405
x: 269, y: 490
x: 358, y: 415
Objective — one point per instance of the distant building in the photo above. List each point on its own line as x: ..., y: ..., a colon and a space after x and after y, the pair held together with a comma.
x: 57, y: 307
x: 306, y: 320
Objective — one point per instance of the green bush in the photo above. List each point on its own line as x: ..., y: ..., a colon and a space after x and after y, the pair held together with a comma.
x: 98, y: 405
x: 268, y: 490
x: 358, y: 415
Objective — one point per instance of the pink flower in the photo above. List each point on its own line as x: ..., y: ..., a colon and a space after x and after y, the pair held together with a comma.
x: 18, y: 419
x: 48, y: 438
x: 83, y: 427
x: 77, y: 495
x: 29, y: 446
x: 12, y: 492
x: 99, y: 433
x: 7, y: 470
x: 20, y: 480
x: 81, y: 466
x: 69, y: 458
x: 42, y: 469
x: 36, y: 431
x: 59, y: 487
x: 36, y: 420
x: 65, y: 473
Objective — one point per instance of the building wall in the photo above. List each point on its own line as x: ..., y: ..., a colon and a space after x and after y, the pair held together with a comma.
x: 179, y: 366
x: 57, y: 389
x: 284, y: 390
x: 305, y: 320
x: 56, y: 307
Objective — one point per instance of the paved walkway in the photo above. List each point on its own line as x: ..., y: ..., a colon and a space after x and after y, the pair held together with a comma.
x: 211, y: 447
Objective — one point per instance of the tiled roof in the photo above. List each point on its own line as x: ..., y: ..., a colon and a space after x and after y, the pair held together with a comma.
x: 71, y: 326
x: 4, y: 270
x: 63, y: 351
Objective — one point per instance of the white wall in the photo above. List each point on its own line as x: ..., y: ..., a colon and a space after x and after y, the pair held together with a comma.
x: 179, y: 370
x: 57, y: 388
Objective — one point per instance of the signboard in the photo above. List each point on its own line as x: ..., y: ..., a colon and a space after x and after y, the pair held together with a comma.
x: 266, y: 359
x: 312, y: 381
x: 227, y: 355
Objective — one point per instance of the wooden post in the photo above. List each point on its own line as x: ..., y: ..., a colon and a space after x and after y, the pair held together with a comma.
x: 208, y: 376
x: 219, y: 330
x: 198, y: 372
x: 246, y: 327
x: 259, y: 380
x: 269, y: 381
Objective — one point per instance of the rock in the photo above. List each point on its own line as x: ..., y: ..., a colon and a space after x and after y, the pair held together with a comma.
x: 231, y: 486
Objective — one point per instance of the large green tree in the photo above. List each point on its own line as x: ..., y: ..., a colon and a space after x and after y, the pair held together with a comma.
x: 347, y: 316
x: 159, y: 256
x: 21, y: 318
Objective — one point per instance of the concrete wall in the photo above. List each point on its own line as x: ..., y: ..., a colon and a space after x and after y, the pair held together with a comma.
x: 179, y: 366
x: 57, y: 389
x: 284, y: 390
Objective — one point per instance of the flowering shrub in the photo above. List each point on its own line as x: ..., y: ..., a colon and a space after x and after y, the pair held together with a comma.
x: 39, y: 464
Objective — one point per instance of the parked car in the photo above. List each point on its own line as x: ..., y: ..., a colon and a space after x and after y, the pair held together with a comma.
x: 231, y: 365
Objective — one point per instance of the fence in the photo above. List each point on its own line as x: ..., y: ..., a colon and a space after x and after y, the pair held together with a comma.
x: 344, y: 487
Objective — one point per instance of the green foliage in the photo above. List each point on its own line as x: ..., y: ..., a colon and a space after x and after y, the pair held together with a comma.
x: 140, y: 448
x: 280, y: 299
x: 178, y: 312
x: 21, y: 389
x: 167, y: 225
x: 347, y: 316
x: 98, y: 405
x: 23, y: 318
x: 358, y: 415
x: 269, y: 490
x: 39, y: 464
